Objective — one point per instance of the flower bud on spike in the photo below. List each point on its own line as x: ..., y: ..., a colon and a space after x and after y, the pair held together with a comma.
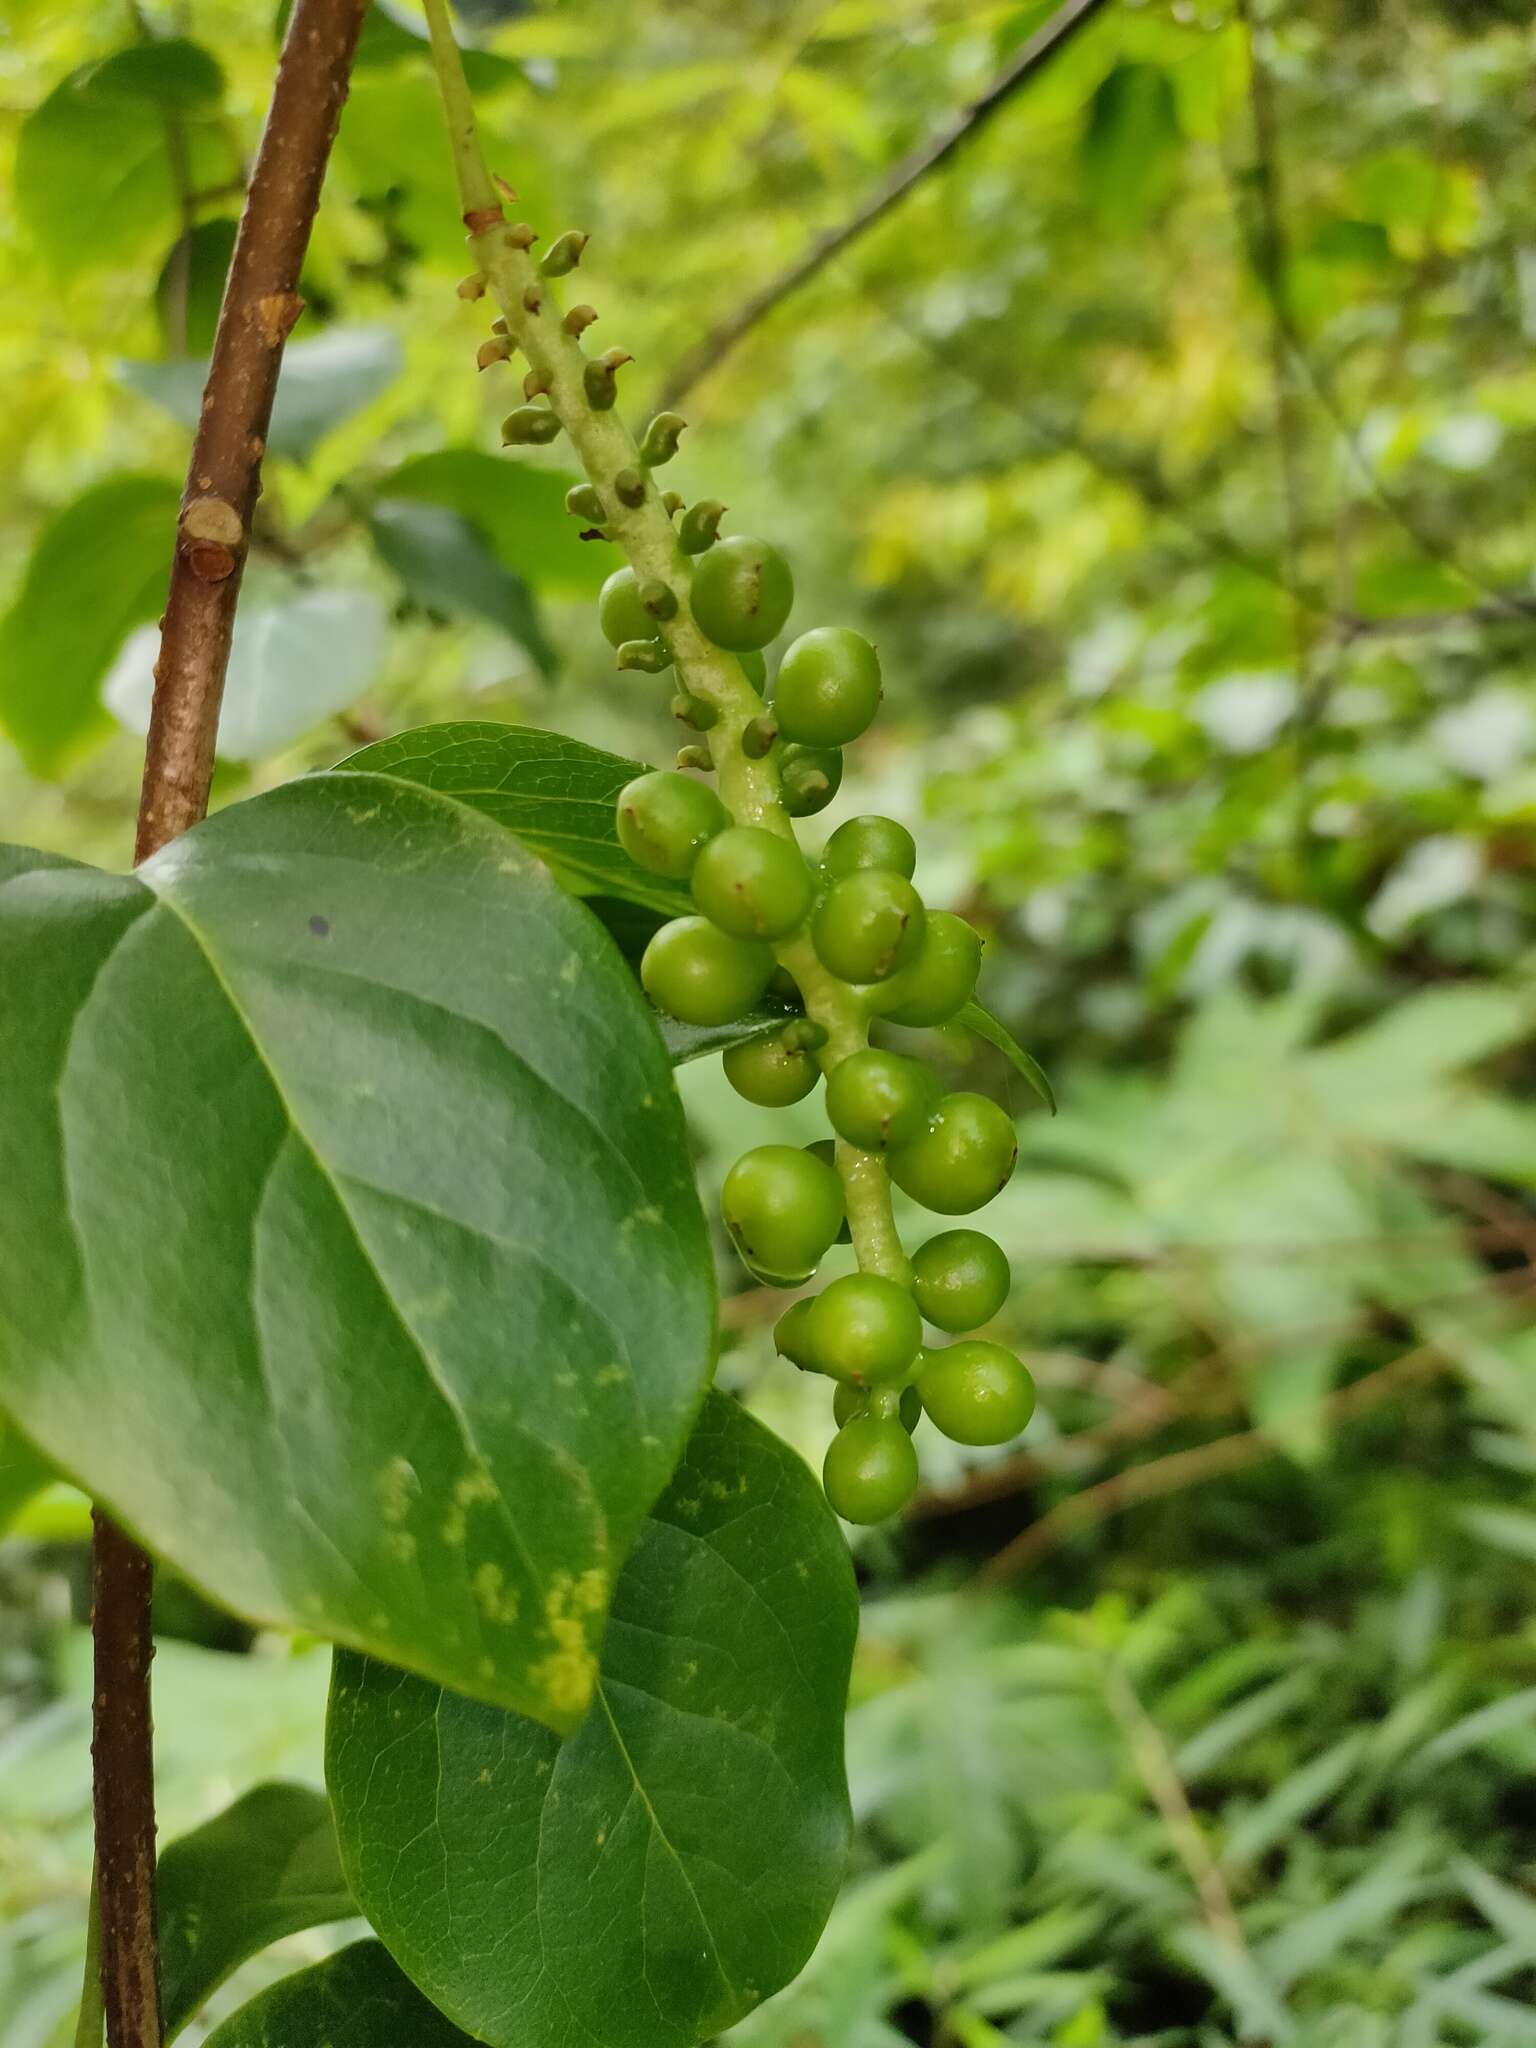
x: 564, y: 253
x: 530, y: 426
x: 535, y: 384
x: 600, y: 385
x: 802, y: 1034
x: 695, y: 757
x: 583, y: 502
x: 533, y: 299
x: 498, y: 325
x: 630, y: 486
x: 757, y: 737
x: 522, y: 236
x: 659, y: 598
x: 648, y: 655
x: 579, y: 319
x: 496, y: 350
x: 701, y: 525
x: 659, y: 444
x: 471, y: 287
x: 504, y: 188
x: 694, y: 711
x: 672, y: 502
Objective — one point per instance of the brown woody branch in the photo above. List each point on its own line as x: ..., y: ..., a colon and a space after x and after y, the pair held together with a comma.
x: 261, y: 303
x: 1051, y: 37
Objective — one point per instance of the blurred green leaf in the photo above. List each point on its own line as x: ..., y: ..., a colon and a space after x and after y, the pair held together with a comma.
x: 520, y: 508
x: 325, y: 378
x: 446, y: 564
x: 1130, y: 146
x: 974, y: 1018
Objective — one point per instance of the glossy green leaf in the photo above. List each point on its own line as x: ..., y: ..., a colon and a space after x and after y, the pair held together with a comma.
x: 649, y: 1880
x: 190, y: 287
x: 520, y: 509
x: 95, y: 174
x: 974, y: 1018
x: 357, y: 1998
x: 555, y: 795
x: 263, y: 1868
x: 446, y: 564
x: 101, y: 567
x: 325, y: 378
x: 24, y: 1472
x: 349, y: 1248
x: 1129, y: 151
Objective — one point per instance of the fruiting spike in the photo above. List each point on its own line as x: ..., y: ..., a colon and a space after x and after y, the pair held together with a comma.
x: 496, y: 350
x: 648, y: 655
x: 582, y: 501
x: 659, y: 444
x: 530, y: 426
x: 564, y: 253
x: 471, y: 287
x: 579, y: 319
x: 701, y: 526
x: 659, y: 598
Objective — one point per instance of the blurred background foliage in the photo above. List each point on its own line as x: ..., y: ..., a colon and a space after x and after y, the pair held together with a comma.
x: 1174, y: 441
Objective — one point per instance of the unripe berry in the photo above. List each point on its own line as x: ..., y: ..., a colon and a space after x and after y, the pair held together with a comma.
x: 768, y: 1072
x: 753, y: 667
x: 825, y: 1149
x: 782, y: 1208
x: 960, y: 1278
x: 870, y: 1470
x: 701, y: 975
x: 961, y: 1160
x: 664, y: 819
x: 849, y: 1400
x: 865, y: 1328
x: 828, y: 687
x: 976, y: 1392
x: 809, y: 777
x: 867, y: 925
x: 791, y: 1338
x: 742, y: 592
x: 940, y: 980
x: 620, y: 612
x: 870, y: 842
x: 876, y: 1098
x: 752, y: 883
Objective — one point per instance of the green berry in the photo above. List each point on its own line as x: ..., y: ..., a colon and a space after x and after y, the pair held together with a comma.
x: 870, y: 842
x: 875, y: 1099
x: 825, y: 1149
x: 664, y: 819
x: 753, y: 667
x: 752, y: 883
x: 791, y: 1338
x: 828, y: 687
x: 976, y: 1392
x: 809, y: 777
x: 742, y: 592
x: 870, y: 1470
x: 701, y: 975
x: 767, y: 1072
x: 865, y: 1328
x: 961, y: 1160
x: 849, y: 1400
x: 942, y: 977
x: 867, y: 925
x: 961, y: 1279
x: 620, y: 612
x: 782, y: 1208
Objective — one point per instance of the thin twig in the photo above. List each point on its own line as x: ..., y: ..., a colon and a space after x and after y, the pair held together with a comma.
x: 260, y: 305
x: 1032, y: 57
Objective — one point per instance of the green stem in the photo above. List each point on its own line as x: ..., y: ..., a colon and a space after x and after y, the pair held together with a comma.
x: 92, y: 2015
x: 606, y: 449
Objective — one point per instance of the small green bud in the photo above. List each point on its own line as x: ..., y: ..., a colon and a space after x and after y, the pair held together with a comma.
x: 672, y: 502
x: 564, y: 253
x: 695, y: 757
x: 599, y: 379
x: 658, y: 597
x: 498, y: 325
x: 471, y: 287
x: 535, y: 385
x: 496, y: 350
x: 757, y: 737
x: 629, y: 484
x: 521, y: 236
x: 803, y: 1034
x: 701, y: 526
x: 533, y: 299
x: 578, y: 320
x: 648, y: 655
x: 659, y: 442
x: 694, y: 711
x: 583, y: 502
x: 530, y: 426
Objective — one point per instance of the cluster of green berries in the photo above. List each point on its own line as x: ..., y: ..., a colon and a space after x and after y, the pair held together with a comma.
x: 784, y: 1205
x: 847, y: 936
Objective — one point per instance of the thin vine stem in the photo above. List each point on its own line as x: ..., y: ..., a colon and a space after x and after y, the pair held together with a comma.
x: 607, y: 450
